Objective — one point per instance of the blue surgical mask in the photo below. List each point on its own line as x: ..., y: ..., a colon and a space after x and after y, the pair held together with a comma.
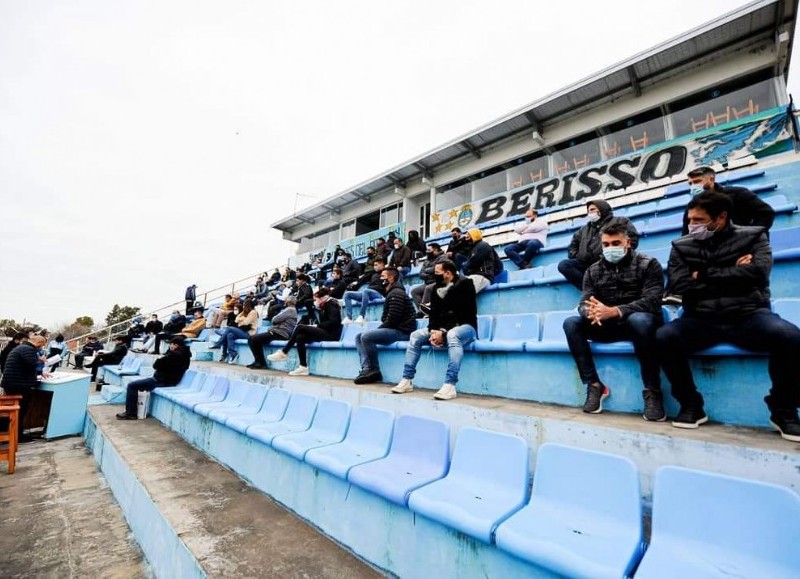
x: 695, y: 190
x: 700, y: 231
x: 592, y: 217
x: 614, y: 254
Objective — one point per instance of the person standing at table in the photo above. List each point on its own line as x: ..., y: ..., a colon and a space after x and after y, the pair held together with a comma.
x: 19, y: 376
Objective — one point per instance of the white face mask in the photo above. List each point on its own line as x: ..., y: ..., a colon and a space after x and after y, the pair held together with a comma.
x: 695, y: 190
x: 592, y: 217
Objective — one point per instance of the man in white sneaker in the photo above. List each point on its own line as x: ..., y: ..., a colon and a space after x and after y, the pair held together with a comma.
x: 453, y: 323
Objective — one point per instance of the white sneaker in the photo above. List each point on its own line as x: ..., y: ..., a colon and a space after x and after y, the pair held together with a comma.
x: 359, y: 320
x: 446, y: 392
x: 299, y: 371
x: 346, y: 321
x: 403, y: 387
x: 278, y: 356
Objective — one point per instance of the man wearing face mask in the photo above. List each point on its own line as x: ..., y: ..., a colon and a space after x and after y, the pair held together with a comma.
x: 532, y: 238
x: 421, y: 294
x: 621, y: 301
x: 746, y: 207
x: 585, y: 247
x: 327, y: 329
x: 363, y: 295
x: 453, y: 324
x: 397, y: 322
x: 458, y: 249
x: 722, y: 270
x: 400, y: 258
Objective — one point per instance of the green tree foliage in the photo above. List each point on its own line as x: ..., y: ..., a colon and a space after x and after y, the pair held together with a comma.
x: 86, y: 321
x: 10, y: 327
x: 121, y: 313
x: 82, y: 325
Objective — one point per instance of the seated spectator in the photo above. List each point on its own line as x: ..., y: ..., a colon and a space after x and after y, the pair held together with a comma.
x: 398, y: 320
x: 459, y: 248
x: 327, y: 329
x: 336, y: 285
x: 90, y: 348
x: 382, y: 249
x: 304, y: 294
x: 283, y: 325
x: 351, y: 269
x: 453, y: 323
x: 191, y: 331
x: 217, y: 315
x: 400, y: 259
x: 244, y: 326
x: 169, y: 370
x: 362, y: 296
x: 175, y: 323
x: 421, y: 294
x: 153, y: 327
x: 722, y: 271
x: 415, y: 244
x: 585, y: 247
x: 57, y: 347
x: 13, y: 343
x: 111, y: 358
x: 288, y: 275
x: 136, y: 330
x: 368, y: 265
x: 19, y: 375
x: 621, y: 300
x: 483, y: 263
x: 274, y: 279
x: 532, y: 238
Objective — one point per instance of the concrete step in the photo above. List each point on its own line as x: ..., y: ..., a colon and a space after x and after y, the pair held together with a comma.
x: 58, y: 517
x: 193, y: 517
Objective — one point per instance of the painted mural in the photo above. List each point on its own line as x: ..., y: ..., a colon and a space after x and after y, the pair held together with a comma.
x: 357, y: 246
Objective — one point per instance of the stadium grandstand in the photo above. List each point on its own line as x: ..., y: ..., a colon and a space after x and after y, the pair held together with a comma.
x: 513, y: 478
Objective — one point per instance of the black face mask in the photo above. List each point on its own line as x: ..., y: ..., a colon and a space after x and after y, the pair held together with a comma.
x: 438, y: 278
x: 384, y: 282
x: 430, y: 255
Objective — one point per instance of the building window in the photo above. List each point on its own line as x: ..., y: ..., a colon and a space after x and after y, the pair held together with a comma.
x: 390, y: 215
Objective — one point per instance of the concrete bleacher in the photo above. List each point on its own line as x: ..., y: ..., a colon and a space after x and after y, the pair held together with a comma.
x: 367, y: 467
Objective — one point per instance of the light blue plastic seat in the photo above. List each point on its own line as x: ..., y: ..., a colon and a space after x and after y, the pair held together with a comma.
x: 780, y: 204
x: 511, y: 331
x: 659, y: 253
x: 201, y: 337
x: 553, y: 337
x: 237, y: 389
x: 349, y: 333
x: 592, y: 532
x: 673, y: 203
x: 523, y: 277
x: 298, y: 417
x: 419, y: 455
x: 663, y: 224
x: 201, y: 388
x: 631, y: 211
x: 272, y: 410
x: 788, y: 309
x: 217, y: 394
x: 488, y: 480
x: 251, y: 402
x: 192, y: 381
x: 484, y: 333
x: 328, y: 427
x: 716, y: 526
x: 550, y: 275
x: 784, y: 239
x: 367, y: 439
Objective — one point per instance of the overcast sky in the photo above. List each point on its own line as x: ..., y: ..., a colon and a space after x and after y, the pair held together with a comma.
x: 147, y: 145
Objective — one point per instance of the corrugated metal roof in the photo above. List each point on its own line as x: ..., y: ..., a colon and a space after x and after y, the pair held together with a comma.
x: 751, y: 23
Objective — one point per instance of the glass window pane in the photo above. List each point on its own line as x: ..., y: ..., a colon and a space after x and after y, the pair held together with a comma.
x: 490, y: 185
x: 527, y: 173
x: 576, y: 157
x: 633, y: 139
x: 454, y: 197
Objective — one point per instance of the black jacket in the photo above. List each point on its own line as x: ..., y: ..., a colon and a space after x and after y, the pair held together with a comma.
x: 6, y: 351
x: 635, y: 284
x: 330, y: 318
x: 170, y: 368
x: 373, y: 279
x: 426, y: 273
x: 483, y: 260
x: 351, y: 271
x: 459, y: 306
x: 416, y: 244
x: 176, y: 325
x: 398, y: 310
x: 153, y: 327
x: 585, y: 245
x: 723, y: 291
x: 401, y: 257
x: 337, y: 288
x: 305, y: 296
x: 190, y: 293
x: 116, y: 355
x: 20, y: 370
x: 748, y: 208
x: 463, y: 246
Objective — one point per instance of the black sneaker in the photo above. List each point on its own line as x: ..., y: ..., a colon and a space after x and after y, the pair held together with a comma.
x: 255, y: 366
x: 787, y: 423
x: 125, y: 416
x: 594, y: 398
x: 690, y: 417
x: 369, y: 377
x: 653, y: 405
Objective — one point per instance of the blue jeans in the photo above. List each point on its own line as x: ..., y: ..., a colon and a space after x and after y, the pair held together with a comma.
x: 640, y: 328
x: 362, y: 297
x: 761, y: 331
x: 457, y: 338
x: 229, y: 337
x: 132, y: 395
x: 528, y: 249
x: 366, y: 342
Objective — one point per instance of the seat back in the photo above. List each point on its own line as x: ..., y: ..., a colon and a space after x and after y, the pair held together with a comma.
x: 254, y: 395
x: 370, y: 427
x: 787, y: 238
x: 788, y: 309
x: 496, y: 459
x: 561, y: 474
x: 485, y: 324
x: 331, y: 419
x: 275, y: 403
x: 191, y: 378
x: 221, y: 387
x: 736, y: 522
x: 236, y: 392
x: 516, y: 327
x: 422, y: 439
x: 135, y: 365
x: 300, y: 410
x: 666, y: 222
x: 204, y: 335
x: 526, y: 274
x: 349, y: 334
x: 553, y: 328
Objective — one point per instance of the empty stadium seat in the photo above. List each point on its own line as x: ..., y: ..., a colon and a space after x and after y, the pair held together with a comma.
x: 575, y: 531
x: 419, y: 455
x: 272, y: 410
x: 550, y: 275
x: 237, y: 390
x: 328, y: 427
x: 670, y: 203
x: 710, y: 525
x: 368, y: 438
x: 202, y: 388
x: 553, y: 337
x: 523, y: 277
x: 251, y: 403
x: 298, y: 417
x: 655, y: 225
x: 216, y: 394
x: 488, y: 480
x: 349, y: 333
x: 785, y: 240
x: 130, y: 366
x: 780, y: 204
x: 788, y: 309
x: 511, y: 331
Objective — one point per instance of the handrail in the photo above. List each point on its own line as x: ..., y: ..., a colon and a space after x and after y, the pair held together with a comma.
x: 163, y: 311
